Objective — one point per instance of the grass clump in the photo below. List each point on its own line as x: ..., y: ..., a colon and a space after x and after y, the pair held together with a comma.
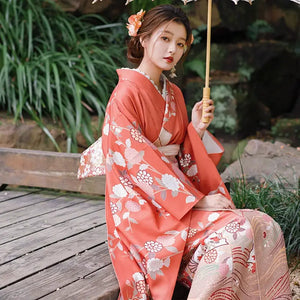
x: 276, y: 199
x: 56, y: 65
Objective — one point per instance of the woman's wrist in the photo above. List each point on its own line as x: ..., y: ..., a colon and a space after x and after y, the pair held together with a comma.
x: 199, y: 130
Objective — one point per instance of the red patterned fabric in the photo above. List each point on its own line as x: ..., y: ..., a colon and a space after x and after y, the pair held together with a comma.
x: 155, y: 237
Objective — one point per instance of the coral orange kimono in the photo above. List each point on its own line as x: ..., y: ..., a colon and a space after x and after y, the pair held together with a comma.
x: 157, y: 168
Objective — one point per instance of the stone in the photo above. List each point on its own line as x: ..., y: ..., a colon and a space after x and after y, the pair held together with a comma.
x: 276, y: 83
x: 229, y: 144
x: 28, y: 135
x: 263, y: 161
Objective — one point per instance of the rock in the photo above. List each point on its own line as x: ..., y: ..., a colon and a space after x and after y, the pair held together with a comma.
x: 229, y: 144
x: 262, y: 161
x: 234, y: 57
x: 28, y: 135
x: 276, y: 83
x: 239, y: 149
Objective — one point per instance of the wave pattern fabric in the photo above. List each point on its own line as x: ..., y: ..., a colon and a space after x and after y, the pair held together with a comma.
x: 155, y: 236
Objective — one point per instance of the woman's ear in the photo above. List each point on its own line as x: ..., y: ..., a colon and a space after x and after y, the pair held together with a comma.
x: 143, y: 42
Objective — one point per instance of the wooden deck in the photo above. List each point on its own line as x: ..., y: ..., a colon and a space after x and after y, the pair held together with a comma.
x: 53, y: 246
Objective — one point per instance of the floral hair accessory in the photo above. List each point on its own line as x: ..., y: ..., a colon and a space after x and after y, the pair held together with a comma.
x: 135, y: 22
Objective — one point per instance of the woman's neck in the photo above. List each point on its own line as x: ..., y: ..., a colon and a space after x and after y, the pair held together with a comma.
x: 153, y: 73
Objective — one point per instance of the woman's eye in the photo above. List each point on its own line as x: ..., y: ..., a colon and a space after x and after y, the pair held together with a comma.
x: 164, y: 38
x: 181, y: 45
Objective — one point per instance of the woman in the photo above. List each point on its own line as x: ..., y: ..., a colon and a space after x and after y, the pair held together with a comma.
x: 169, y: 215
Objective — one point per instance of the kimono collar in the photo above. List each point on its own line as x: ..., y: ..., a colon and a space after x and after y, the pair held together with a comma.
x: 136, y: 75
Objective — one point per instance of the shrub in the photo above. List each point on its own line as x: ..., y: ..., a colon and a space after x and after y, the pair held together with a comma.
x: 225, y: 112
x: 53, y: 64
x: 287, y: 128
x: 277, y: 200
x: 258, y: 28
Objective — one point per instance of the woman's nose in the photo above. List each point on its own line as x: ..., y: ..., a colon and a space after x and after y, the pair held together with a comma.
x: 172, y: 48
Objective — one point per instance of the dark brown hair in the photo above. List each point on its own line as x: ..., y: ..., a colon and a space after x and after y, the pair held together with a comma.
x: 151, y: 21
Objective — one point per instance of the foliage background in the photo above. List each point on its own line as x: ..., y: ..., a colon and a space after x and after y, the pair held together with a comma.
x: 55, y: 65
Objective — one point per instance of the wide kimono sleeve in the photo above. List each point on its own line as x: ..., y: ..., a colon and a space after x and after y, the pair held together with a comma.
x: 198, y: 159
x: 134, y: 166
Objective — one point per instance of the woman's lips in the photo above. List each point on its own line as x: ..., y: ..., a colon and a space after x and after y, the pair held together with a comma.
x: 169, y: 59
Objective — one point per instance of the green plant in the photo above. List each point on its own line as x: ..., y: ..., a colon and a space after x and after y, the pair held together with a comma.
x: 276, y: 199
x: 287, y: 128
x: 225, y: 119
x: 197, y: 66
x: 257, y: 28
x: 53, y: 64
x: 225, y: 109
x: 245, y: 71
x: 197, y: 32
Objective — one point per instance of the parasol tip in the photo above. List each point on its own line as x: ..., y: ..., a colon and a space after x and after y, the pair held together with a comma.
x: 249, y: 1
x: 186, y: 1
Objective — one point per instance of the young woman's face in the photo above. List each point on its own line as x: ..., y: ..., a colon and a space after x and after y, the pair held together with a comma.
x: 164, y: 48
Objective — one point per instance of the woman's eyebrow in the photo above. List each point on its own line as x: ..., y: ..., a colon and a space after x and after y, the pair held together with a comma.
x: 169, y: 32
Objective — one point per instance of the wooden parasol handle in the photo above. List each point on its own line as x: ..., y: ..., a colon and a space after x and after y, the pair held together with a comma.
x: 206, y: 89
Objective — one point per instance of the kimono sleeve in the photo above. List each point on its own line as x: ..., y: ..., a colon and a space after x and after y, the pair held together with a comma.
x: 198, y: 160
x: 134, y: 162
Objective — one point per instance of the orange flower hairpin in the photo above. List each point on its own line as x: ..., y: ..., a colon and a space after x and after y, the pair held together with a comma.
x: 135, y: 22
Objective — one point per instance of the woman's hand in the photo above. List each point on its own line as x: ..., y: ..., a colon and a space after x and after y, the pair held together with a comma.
x: 197, y: 116
x: 214, y: 201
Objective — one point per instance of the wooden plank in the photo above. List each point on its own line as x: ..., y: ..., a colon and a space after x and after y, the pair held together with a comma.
x: 30, y: 226
x: 58, y: 276
x: 101, y: 285
x: 24, y: 201
x: 38, y: 209
x: 7, y: 194
x: 46, y: 169
x: 51, y: 235
x: 43, y: 258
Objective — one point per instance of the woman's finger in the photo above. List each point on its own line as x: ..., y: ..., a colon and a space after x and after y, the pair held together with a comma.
x: 210, y: 108
x: 199, y: 105
x: 209, y: 102
x: 209, y: 115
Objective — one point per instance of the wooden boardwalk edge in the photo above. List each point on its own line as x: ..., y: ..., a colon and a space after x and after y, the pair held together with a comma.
x: 46, y: 169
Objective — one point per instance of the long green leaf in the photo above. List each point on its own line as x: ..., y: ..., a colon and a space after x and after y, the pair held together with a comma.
x: 55, y: 64
x: 29, y: 33
x: 44, y: 128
